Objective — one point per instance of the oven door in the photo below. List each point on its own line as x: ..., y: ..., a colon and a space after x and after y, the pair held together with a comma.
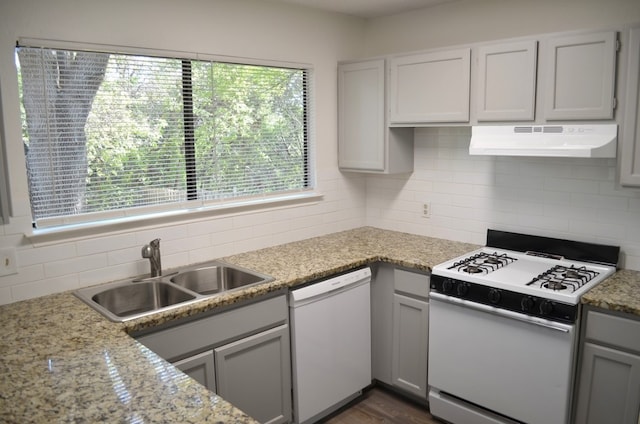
x: 509, y: 363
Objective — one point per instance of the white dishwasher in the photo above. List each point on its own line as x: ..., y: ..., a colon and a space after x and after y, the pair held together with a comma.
x: 331, y: 343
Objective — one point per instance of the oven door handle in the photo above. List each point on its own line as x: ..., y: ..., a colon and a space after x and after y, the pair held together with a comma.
x: 541, y: 322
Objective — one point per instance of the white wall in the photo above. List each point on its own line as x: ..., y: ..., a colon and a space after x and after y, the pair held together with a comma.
x: 575, y: 199
x: 568, y: 198
x: 470, y: 21
x: 245, y: 28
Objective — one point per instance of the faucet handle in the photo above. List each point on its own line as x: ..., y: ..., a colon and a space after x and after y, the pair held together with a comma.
x: 147, y: 249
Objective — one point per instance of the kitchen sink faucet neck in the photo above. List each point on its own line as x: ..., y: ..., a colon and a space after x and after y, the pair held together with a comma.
x: 151, y: 251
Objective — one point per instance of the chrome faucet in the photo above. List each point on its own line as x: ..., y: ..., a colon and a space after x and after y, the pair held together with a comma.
x: 151, y: 251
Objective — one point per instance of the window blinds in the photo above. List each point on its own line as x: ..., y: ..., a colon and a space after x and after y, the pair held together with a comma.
x: 106, y: 132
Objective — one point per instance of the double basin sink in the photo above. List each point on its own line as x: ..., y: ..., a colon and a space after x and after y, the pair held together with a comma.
x: 126, y: 300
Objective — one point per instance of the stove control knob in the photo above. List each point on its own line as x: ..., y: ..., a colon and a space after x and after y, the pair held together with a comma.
x: 546, y: 307
x: 447, y: 285
x: 527, y: 304
x: 462, y: 289
x: 494, y: 296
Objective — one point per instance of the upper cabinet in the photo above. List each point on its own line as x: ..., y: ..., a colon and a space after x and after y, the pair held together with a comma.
x: 506, y: 88
x: 630, y: 137
x: 580, y: 76
x: 430, y: 87
x: 576, y: 77
x: 365, y: 142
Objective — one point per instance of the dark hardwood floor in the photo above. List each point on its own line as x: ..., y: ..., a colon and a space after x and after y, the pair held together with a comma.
x: 378, y: 405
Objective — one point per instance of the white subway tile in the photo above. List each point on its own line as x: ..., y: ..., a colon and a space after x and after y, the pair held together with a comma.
x: 41, y: 255
x: 5, y: 296
x: 75, y: 265
x: 43, y: 287
x: 105, y: 244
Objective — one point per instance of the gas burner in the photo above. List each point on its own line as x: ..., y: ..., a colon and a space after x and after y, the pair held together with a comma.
x: 482, y: 263
x: 554, y: 285
x: 492, y: 260
x: 473, y: 269
x: 564, y: 278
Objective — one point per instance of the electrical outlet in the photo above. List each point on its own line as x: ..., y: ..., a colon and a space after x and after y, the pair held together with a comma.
x: 426, y: 210
x: 8, y: 264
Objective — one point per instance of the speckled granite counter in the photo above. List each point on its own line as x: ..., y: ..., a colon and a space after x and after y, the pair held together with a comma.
x: 60, y: 361
x: 620, y: 292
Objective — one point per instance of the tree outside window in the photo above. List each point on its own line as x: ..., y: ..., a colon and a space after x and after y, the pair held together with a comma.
x: 106, y: 131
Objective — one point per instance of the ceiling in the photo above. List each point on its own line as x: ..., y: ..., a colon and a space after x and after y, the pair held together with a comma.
x: 366, y: 8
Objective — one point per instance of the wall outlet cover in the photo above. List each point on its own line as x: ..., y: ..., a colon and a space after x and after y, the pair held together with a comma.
x: 8, y: 265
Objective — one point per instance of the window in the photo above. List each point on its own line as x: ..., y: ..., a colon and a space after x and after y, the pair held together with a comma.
x: 110, y: 134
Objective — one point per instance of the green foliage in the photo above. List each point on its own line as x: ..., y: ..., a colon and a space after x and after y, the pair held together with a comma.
x: 249, y: 132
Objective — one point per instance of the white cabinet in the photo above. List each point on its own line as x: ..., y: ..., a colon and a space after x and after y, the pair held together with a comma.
x: 630, y: 131
x: 580, y: 76
x: 609, y: 380
x: 506, y: 81
x: 430, y: 87
x: 365, y: 143
x: 253, y: 374
x: 242, y: 354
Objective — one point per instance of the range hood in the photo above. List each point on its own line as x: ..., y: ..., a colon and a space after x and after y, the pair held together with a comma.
x: 580, y: 141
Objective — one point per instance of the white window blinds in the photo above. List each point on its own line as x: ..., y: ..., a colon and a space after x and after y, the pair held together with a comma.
x: 107, y: 132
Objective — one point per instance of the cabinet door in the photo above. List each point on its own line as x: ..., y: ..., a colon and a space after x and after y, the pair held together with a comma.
x: 580, y: 76
x: 361, y: 122
x: 200, y: 367
x: 630, y: 139
x: 430, y: 87
x: 507, y: 82
x: 254, y: 374
x: 410, y: 344
x: 609, y: 388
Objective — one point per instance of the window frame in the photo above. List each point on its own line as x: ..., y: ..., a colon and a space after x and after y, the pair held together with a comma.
x: 190, y: 209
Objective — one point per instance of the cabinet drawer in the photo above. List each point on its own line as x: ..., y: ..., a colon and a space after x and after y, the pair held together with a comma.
x: 411, y: 283
x: 613, y: 330
x: 183, y: 340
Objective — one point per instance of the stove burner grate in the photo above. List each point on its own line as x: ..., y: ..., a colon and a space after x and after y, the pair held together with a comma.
x: 561, y: 277
x: 482, y: 263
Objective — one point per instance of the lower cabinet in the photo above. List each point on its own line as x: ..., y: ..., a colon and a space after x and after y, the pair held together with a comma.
x: 242, y: 354
x: 410, y: 344
x: 400, y: 326
x: 254, y: 375
x: 201, y: 368
x: 609, y: 380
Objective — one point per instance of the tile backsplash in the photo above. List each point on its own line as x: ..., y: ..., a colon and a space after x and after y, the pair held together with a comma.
x: 577, y: 199
x: 55, y: 267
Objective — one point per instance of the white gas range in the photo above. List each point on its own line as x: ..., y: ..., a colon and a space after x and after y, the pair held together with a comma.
x: 503, y: 325
x: 527, y: 282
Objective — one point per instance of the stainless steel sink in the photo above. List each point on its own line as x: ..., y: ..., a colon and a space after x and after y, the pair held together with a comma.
x: 126, y: 300
x: 136, y: 298
x: 216, y: 279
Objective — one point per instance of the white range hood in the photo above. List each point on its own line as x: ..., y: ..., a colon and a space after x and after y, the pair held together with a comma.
x: 580, y: 141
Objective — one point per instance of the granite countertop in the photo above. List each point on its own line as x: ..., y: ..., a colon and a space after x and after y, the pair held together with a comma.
x: 60, y: 361
x: 620, y: 292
